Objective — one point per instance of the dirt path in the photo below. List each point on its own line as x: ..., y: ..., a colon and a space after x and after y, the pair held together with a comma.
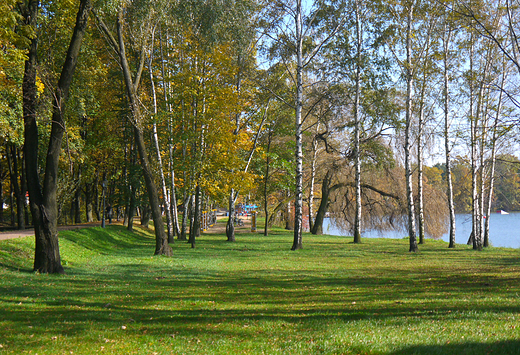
x: 28, y: 232
x: 219, y: 228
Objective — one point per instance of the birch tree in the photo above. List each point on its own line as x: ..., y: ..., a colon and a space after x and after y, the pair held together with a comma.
x: 290, y: 26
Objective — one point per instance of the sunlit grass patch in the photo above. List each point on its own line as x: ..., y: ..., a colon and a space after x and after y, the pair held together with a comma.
x: 257, y: 296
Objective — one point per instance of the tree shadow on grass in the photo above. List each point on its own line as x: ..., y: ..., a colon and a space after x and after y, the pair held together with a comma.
x: 113, y: 240
x: 501, y: 347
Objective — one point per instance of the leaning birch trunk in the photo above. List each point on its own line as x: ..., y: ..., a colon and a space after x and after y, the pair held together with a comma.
x: 493, y: 161
x: 357, y: 128
x: 476, y: 118
x: 408, y: 143
x: 155, y: 136
x: 474, y: 198
x: 298, y: 210
x: 173, y: 194
x: 484, y: 113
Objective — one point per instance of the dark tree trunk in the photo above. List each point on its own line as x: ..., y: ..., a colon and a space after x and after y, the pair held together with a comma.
x: 24, y: 197
x: 12, y: 160
x: 77, y: 206
x: 145, y: 216
x: 95, y: 193
x: 131, y: 210
x: 317, y: 228
x: 88, y: 203
x: 289, y: 221
x: 326, y: 190
x: 195, y: 223
x: 43, y: 200
x: 11, y: 205
x: 1, y: 194
x: 184, y: 225
x: 230, y: 226
x: 161, y: 241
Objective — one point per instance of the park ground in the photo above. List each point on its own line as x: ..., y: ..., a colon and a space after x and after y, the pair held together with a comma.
x: 255, y: 296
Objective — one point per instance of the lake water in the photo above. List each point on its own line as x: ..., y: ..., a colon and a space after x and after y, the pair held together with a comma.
x: 504, y: 230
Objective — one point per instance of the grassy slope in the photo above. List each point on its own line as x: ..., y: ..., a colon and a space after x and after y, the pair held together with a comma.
x: 256, y: 296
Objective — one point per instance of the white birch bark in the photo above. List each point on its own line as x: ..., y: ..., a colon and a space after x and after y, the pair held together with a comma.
x: 298, y: 202
x: 449, y: 179
x: 408, y: 139
x: 357, y: 128
x: 157, y: 148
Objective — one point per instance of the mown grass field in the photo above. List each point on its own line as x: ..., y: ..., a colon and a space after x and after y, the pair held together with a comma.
x: 256, y: 296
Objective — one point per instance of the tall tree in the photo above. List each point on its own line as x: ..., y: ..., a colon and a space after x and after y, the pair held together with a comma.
x: 43, y: 198
x: 446, y: 45
x: 132, y: 83
x: 299, y: 35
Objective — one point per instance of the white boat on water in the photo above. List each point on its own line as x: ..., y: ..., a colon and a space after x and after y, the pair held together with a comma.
x: 502, y: 212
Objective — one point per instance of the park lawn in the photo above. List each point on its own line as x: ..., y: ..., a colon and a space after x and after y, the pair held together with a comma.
x: 255, y: 296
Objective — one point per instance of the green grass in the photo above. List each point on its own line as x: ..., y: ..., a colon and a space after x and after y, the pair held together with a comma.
x: 255, y: 296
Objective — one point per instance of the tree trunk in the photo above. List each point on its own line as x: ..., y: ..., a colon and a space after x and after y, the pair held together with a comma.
x: 155, y: 136
x: 195, y: 220
x: 312, y: 181
x: 230, y: 226
x: 322, y: 209
x: 43, y: 202
x: 266, y: 181
x: 420, y: 173
x: 12, y: 203
x: 132, y: 206
x: 1, y: 194
x: 173, y: 205
x: 77, y: 198
x: 185, y: 210
x: 447, y: 148
x: 357, y: 128
x: 173, y: 195
x: 326, y: 190
x: 408, y: 143
x: 88, y: 203
x: 145, y: 216
x: 298, y: 202
x: 161, y: 240
x: 12, y: 160
x: 493, y: 161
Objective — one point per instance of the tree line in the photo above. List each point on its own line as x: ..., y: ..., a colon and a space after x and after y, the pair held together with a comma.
x: 380, y: 115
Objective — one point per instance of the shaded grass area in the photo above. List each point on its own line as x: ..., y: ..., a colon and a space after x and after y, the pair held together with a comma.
x: 256, y: 296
